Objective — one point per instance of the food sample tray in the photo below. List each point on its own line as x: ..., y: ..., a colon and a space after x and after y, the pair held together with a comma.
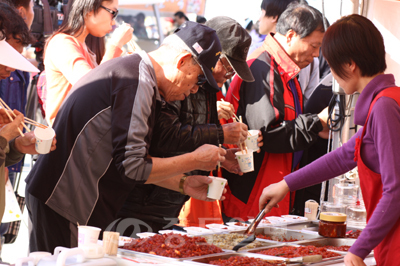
x: 205, y: 260
x: 171, y: 247
x: 310, y: 225
x: 132, y: 253
x: 339, y: 256
x: 335, y: 242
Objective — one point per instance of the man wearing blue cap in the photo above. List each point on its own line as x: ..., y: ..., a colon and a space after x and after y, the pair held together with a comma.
x: 105, y: 127
x: 185, y: 125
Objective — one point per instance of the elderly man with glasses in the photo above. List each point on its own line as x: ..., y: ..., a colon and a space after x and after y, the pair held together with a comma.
x: 185, y: 125
x: 105, y: 128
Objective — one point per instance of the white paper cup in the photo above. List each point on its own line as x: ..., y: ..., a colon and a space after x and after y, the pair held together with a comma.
x: 216, y: 188
x: 251, y: 141
x: 87, y: 235
x: 246, y: 162
x: 44, y: 138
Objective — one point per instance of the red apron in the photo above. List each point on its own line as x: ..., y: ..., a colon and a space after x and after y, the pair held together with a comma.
x: 387, y: 253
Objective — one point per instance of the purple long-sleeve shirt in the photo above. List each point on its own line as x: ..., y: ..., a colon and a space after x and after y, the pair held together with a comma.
x: 380, y: 152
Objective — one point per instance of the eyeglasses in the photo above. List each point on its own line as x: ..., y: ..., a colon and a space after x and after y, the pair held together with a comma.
x: 112, y: 12
x: 201, y: 79
x: 228, y: 74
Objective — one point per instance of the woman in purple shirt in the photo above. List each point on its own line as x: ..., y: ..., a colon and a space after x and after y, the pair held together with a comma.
x: 355, y: 51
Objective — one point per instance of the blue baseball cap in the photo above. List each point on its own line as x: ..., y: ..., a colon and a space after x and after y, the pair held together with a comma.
x: 204, y: 43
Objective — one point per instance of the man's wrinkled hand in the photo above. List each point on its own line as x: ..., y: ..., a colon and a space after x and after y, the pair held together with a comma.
x: 26, y: 144
x: 234, y: 133
x: 225, y: 110
x: 9, y: 129
x: 196, y: 186
x: 207, y: 157
x: 231, y: 163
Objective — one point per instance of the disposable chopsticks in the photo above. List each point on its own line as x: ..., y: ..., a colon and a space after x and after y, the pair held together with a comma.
x: 237, y: 118
x: 5, y: 106
x: 26, y: 120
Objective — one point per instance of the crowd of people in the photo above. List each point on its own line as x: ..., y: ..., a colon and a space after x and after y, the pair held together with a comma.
x: 139, y: 135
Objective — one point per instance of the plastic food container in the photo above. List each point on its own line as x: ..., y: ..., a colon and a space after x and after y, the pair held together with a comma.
x: 332, y: 224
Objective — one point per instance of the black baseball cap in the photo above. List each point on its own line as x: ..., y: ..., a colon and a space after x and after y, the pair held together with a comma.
x: 204, y: 43
x: 235, y: 41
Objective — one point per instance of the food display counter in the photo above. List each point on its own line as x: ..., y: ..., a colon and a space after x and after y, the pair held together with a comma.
x: 275, y: 239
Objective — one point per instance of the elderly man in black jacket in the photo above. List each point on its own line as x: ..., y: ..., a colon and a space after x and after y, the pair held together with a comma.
x: 185, y: 125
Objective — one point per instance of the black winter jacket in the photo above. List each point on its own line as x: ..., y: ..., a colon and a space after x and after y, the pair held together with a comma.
x: 181, y: 127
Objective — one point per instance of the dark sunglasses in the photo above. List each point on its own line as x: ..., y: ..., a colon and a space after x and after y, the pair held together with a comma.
x: 201, y: 80
x: 112, y: 12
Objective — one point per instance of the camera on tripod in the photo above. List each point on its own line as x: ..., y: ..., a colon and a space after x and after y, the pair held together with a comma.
x: 55, y: 9
x: 49, y: 15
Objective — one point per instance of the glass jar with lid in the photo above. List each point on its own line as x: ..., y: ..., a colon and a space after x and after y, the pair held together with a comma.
x: 345, y: 192
x: 332, y: 224
x: 356, y: 214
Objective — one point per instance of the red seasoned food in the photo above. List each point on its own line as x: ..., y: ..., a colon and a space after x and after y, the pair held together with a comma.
x: 293, y: 252
x: 340, y: 248
x: 245, y: 261
x: 276, y: 238
x: 173, y: 246
x: 353, y: 234
x: 240, y: 224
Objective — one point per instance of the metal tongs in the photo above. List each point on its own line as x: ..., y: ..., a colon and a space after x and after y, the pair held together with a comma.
x: 251, y: 231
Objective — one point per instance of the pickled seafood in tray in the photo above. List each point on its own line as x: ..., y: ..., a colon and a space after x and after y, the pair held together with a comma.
x: 173, y: 246
x: 228, y: 241
x: 276, y: 238
x: 240, y: 259
x: 338, y: 244
x: 294, y: 252
x: 245, y: 261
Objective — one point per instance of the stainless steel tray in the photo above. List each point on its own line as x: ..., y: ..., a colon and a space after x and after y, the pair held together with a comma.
x: 204, y: 260
x: 310, y: 225
x: 336, y: 242
x: 132, y: 253
x: 128, y: 252
x: 280, y: 234
x: 338, y: 258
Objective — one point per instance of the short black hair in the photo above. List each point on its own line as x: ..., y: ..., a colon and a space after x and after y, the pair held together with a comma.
x: 275, y: 7
x: 201, y: 19
x: 301, y: 18
x: 354, y: 38
x: 180, y: 14
x: 13, y: 25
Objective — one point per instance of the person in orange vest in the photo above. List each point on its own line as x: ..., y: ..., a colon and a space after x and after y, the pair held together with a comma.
x: 355, y: 51
x: 273, y: 104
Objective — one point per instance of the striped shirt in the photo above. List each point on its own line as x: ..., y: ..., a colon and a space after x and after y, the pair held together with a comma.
x: 104, y: 130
